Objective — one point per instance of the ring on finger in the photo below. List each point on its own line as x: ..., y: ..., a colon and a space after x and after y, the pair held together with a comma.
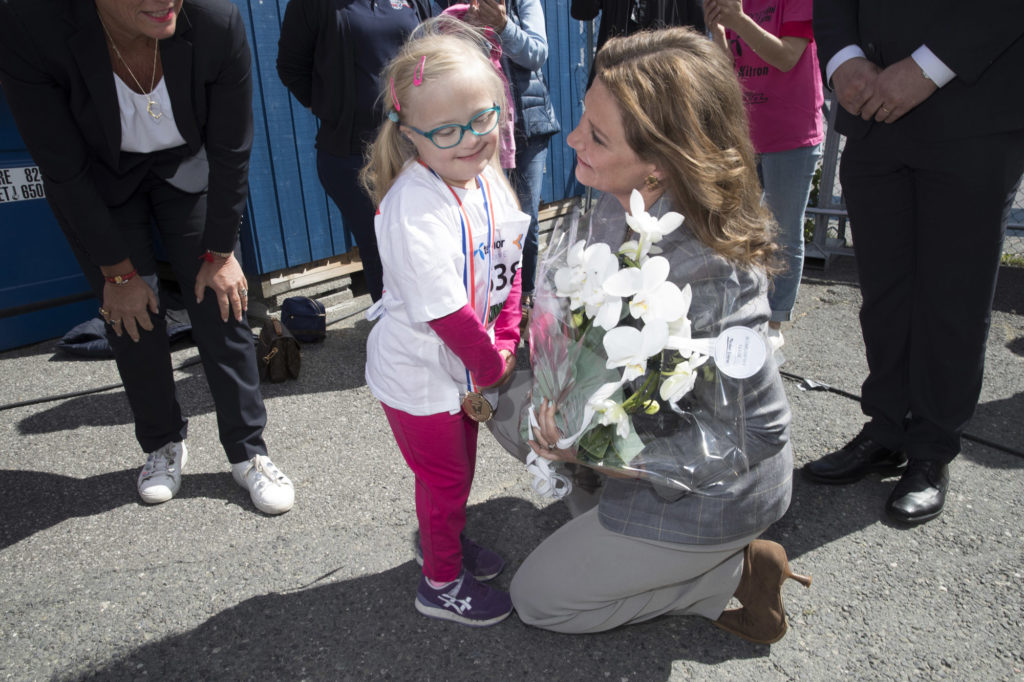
x: 243, y: 292
x: 104, y: 313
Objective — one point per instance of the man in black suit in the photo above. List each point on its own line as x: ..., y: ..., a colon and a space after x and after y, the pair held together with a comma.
x: 140, y: 117
x: 933, y: 112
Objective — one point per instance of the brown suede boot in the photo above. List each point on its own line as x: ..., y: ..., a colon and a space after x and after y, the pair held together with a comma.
x: 762, y: 619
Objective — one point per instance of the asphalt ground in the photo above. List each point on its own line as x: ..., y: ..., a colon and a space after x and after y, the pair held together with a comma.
x: 95, y: 583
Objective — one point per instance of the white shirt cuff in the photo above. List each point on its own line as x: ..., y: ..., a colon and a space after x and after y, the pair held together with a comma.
x: 844, y: 55
x: 932, y: 66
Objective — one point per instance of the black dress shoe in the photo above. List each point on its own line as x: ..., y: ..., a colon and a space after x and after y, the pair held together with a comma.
x: 855, y: 460
x: 921, y: 492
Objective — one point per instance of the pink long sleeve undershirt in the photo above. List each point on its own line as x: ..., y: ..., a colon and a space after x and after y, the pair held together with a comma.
x: 464, y: 333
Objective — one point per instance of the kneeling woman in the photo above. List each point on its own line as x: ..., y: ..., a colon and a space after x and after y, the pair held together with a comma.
x: 665, y: 116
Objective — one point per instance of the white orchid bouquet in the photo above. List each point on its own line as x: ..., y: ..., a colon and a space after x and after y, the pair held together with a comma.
x: 610, y: 345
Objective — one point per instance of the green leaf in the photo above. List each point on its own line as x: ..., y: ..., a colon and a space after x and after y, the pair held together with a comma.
x: 593, y: 446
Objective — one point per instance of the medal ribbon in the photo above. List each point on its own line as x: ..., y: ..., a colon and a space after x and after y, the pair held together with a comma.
x: 469, y: 264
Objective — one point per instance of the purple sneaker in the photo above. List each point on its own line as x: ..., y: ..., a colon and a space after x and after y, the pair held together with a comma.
x: 465, y: 601
x: 482, y: 563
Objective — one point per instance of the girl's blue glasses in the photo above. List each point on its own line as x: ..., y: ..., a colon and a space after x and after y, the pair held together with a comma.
x: 450, y: 135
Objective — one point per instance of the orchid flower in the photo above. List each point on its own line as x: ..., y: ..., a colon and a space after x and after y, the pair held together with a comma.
x: 581, y: 280
x: 569, y: 278
x: 629, y: 347
x: 650, y: 229
x: 609, y: 411
x: 680, y: 330
x: 653, y: 297
x: 681, y: 379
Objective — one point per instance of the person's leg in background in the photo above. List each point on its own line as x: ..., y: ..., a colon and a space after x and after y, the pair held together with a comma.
x: 787, y: 177
x: 339, y: 176
x: 226, y: 349
x: 527, y: 179
x: 879, y: 188
x: 963, y: 188
x: 145, y: 367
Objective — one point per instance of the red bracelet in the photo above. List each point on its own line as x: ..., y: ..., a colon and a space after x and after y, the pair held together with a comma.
x: 120, y: 280
x: 209, y: 256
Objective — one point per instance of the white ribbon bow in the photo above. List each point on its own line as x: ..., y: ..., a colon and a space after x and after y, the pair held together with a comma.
x: 546, y: 481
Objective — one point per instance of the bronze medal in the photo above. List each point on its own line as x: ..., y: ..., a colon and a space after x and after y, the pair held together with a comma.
x: 476, y: 407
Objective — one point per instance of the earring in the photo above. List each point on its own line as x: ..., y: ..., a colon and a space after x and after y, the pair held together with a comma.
x: 652, y: 181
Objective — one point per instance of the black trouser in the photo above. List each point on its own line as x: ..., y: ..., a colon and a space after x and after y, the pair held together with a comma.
x: 226, y: 348
x: 339, y: 176
x: 928, y: 220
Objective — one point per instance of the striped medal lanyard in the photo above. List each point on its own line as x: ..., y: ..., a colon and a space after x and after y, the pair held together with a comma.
x: 474, y: 404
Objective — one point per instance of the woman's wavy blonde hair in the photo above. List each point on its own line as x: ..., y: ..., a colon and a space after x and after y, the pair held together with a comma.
x: 448, y: 46
x: 683, y: 110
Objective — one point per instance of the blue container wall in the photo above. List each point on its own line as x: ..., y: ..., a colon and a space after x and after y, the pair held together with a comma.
x: 39, y: 276
x: 290, y: 220
x: 566, y: 74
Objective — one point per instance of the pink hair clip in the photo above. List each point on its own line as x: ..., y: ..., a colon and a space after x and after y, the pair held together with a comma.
x: 394, y: 97
x: 417, y: 75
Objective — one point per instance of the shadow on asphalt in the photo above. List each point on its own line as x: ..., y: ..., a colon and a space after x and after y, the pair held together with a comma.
x: 821, y: 514
x: 33, y: 501
x: 998, y: 421
x: 1010, y: 291
x: 367, y: 628
x: 337, y: 364
x: 109, y: 408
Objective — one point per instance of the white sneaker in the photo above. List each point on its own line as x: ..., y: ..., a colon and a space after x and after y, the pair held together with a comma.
x: 160, y: 478
x: 271, y: 491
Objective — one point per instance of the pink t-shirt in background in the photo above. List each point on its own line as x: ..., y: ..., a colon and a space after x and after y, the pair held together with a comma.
x: 784, y: 106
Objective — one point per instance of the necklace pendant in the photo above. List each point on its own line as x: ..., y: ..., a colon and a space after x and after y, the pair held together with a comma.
x: 153, y: 109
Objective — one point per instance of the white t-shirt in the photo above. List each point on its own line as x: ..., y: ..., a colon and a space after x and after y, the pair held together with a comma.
x: 420, y: 239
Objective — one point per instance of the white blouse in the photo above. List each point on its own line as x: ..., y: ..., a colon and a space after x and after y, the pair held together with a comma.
x: 142, y: 131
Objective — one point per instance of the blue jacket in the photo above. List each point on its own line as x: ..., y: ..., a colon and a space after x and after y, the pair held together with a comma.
x: 524, y: 50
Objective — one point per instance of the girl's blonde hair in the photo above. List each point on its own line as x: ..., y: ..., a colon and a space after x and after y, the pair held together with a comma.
x: 437, y: 48
x: 683, y: 110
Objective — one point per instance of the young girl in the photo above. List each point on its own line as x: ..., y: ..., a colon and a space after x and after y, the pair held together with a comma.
x: 450, y: 235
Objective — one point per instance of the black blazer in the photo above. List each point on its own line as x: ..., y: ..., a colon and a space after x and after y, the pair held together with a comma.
x: 58, y: 79
x: 983, y: 43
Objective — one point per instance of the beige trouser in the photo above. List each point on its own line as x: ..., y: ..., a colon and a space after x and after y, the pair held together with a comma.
x: 584, y: 578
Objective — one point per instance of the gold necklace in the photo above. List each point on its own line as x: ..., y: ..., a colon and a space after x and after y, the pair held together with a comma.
x: 152, y: 106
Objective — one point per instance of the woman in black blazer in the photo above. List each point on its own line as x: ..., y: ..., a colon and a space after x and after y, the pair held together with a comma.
x: 139, y: 114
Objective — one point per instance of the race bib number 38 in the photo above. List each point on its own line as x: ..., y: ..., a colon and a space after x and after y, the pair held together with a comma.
x: 21, y: 184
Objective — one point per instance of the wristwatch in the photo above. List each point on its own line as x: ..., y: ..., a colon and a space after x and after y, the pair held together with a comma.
x: 221, y: 254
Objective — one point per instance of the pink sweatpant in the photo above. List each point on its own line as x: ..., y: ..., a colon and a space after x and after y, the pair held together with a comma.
x: 441, y: 451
